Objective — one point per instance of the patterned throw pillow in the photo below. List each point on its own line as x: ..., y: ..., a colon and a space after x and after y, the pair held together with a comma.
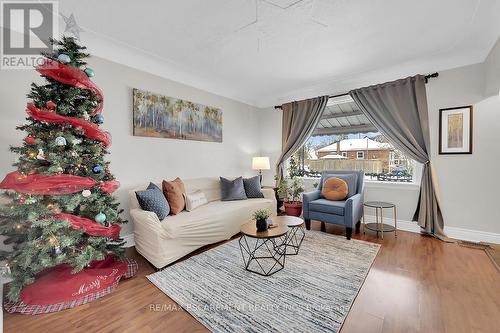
x: 153, y: 200
x: 232, y: 189
x: 195, y: 199
x: 252, y: 187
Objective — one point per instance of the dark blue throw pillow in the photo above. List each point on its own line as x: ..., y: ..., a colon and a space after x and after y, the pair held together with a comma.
x: 232, y: 189
x: 252, y: 187
x: 153, y: 200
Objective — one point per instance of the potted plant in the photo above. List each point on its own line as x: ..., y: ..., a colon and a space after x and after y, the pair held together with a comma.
x: 261, y: 217
x: 291, y: 190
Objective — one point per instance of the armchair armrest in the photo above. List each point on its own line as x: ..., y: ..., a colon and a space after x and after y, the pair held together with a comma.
x: 306, y: 199
x: 353, y: 209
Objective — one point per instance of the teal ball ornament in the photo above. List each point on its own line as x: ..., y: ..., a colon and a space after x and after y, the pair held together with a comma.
x: 89, y: 72
x: 99, y: 119
x: 64, y: 58
x: 100, y: 218
x: 60, y: 141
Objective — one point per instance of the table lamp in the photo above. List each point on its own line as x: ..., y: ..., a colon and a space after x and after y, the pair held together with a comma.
x: 260, y: 163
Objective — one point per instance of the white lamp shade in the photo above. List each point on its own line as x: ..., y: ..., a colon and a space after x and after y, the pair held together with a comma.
x: 261, y: 163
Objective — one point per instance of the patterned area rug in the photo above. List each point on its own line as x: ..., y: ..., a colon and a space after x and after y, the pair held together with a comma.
x: 313, y: 293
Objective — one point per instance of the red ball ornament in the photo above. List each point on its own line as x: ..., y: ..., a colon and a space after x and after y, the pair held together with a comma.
x: 29, y: 140
x: 21, y: 199
x: 51, y: 105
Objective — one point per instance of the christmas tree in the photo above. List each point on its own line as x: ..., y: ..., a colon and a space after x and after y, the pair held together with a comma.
x: 61, y: 210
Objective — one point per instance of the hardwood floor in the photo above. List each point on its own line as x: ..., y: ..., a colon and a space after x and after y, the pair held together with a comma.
x: 416, y: 284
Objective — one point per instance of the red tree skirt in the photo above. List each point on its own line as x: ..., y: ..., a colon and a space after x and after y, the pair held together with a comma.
x: 90, y: 227
x: 71, y: 76
x: 53, y: 185
x: 90, y: 130
x: 56, y: 289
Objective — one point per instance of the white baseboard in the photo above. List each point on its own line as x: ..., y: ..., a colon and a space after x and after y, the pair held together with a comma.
x: 129, y: 239
x: 452, y: 232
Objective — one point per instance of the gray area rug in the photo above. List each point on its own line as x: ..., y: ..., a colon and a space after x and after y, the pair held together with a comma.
x: 313, y: 293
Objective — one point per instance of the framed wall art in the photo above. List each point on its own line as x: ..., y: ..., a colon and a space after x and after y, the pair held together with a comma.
x: 455, y: 130
x: 174, y: 118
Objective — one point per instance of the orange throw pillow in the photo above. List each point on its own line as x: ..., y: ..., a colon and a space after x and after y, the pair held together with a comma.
x: 174, y: 192
x: 335, y: 189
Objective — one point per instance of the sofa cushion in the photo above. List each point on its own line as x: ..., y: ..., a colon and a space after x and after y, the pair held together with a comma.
x: 153, y: 200
x: 335, y: 189
x: 252, y: 187
x: 174, y: 192
x: 194, y: 200
x: 350, y: 178
x: 214, y: 221
x: 327, y: 206
x: 232, y: 189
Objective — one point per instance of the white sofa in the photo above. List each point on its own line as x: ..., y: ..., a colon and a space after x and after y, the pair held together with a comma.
x: 163, y: 242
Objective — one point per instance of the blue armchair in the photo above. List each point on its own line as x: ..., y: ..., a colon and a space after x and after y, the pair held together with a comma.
x: 347, y: 212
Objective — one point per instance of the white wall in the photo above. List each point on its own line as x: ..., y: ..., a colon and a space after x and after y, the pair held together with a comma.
x: 492, y: 71
x: 137, y: 160
x: 468, y: 184
x: 270, y: 140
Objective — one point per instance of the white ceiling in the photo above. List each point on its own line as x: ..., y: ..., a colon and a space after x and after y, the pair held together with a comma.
x: 265, y: 52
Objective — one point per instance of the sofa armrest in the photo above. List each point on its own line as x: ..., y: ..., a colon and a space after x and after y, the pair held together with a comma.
x: 306, y: 199
x: 353, y: 209
x: 146, y: 223
x: 268, y: 193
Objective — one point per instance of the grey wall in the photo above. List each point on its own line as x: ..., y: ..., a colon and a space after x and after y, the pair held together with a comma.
x: 137, y: 160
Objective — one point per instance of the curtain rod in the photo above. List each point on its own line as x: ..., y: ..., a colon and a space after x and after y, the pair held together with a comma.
x: 427, y: 77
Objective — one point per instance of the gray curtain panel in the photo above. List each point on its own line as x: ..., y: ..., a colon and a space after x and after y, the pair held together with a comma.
x: 398, y: 110
x: 299, y: 121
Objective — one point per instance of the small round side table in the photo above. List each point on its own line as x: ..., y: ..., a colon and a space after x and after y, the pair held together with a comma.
x: 379, y: 226
x: 296, y: 233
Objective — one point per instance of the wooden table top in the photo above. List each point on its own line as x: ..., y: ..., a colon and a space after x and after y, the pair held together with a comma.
x: 250, y: 229
x: 291, y: 221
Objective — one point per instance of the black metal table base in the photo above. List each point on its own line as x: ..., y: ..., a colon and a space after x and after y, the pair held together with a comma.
x: 263, y: 253
x: 295, y: 237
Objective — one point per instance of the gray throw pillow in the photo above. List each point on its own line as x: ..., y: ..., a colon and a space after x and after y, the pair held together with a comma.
x: 252, y: 187
x: 350, y: 178
x: 153, y: 200
x: 232, y: 189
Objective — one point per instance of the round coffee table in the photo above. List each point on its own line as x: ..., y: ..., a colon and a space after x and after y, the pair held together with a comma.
x: 260, y: 249
x: 379, y: 226
x: 296, y: 233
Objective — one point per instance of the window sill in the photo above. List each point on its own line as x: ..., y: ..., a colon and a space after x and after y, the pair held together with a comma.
x: 392, y: 185
x: 377, y: 184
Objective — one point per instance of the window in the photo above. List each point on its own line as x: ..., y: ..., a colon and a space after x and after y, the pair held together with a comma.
x: 346, y: 140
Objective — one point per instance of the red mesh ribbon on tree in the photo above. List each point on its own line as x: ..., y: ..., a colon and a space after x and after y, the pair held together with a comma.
x: 91, y: 130
x: 90, y: 227
x: 71, y: 76
x: 53, y: 185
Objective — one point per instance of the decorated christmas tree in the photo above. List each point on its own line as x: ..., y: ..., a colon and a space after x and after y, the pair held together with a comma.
x: 61, y: 213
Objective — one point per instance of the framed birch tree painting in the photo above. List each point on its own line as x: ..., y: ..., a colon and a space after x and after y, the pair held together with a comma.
x: 174, y: 118
x: 455, y: 130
